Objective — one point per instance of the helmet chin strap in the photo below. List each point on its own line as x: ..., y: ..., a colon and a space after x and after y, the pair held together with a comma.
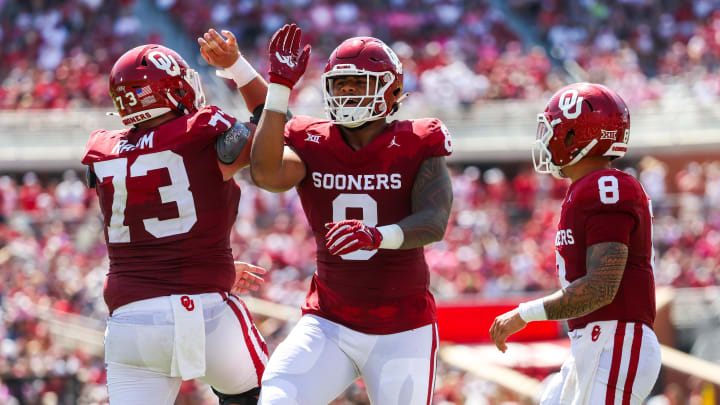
x: 356, y: 126
x: 557, y: 172
x: 395, y: 107
x: 582, y: 152
x: 178, y: 105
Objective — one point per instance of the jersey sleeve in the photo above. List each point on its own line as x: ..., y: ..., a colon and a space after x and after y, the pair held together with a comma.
x: 609, y: 227
x: 295, y: 129
x: 97, y: 144
x: 611, y: 206
x: 209, y: 122
x: 435, y: 137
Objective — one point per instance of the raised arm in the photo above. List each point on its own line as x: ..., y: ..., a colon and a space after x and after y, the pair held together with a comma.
x: 224, y: 54
x: 234, y: 146
x: 274, y: 166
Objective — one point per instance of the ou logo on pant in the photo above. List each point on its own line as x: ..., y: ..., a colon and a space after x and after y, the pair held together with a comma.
x: 187, y: 302
x: 569, y: 100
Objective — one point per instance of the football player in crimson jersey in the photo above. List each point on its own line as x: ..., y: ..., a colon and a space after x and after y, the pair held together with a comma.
x: 603, y: 251
x: 374, y: 193
x: 169, y: 202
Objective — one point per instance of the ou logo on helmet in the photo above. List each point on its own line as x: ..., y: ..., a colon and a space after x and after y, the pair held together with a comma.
x: 165, y: 62
x: 568, y: 100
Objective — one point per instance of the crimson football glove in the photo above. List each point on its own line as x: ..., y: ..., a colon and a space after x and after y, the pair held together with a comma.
x: 286, y: 64
x: 351, y: 235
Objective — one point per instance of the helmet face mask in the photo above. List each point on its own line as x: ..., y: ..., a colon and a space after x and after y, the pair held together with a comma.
x: 355, y: 109
x: 192, y: 77
x: 152, y: 80
x: 580, y: 120
x: 541, y: 155
x: 371, y: 59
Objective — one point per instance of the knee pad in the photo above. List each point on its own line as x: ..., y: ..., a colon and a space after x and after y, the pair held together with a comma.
x: 245, y: 398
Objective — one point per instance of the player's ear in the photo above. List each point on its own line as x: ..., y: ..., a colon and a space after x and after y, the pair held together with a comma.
x: 569, y: 139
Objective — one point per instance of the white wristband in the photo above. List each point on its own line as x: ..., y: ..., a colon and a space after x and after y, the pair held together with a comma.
x: 533, y: 310
x: 393, y: 236
x: 277, y: 98
x: 241, y: 72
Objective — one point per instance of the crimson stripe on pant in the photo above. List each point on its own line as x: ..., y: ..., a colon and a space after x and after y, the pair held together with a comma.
x: 259, y: 338
x: 433, y: 354
x: 255, y: 333
x: 615, y: 365
x: 259, y: 366
x: 634, y: 360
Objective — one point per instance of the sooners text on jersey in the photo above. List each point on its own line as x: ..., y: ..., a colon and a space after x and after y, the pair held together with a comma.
x: 166, y: 209
x: 381, y: 291
x: 617, y: 201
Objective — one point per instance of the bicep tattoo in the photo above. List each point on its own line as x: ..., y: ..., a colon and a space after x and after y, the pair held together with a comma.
x: 605, y: 263
x: 431, y: 200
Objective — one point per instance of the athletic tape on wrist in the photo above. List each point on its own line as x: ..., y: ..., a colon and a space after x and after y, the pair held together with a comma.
x: 533, y: 310
x: 393, y: 236
x: 241, y: 72
x: 277, y: 98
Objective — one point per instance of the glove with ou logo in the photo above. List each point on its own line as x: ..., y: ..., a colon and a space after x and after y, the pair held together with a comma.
x: 351, y: 235
x: 287, y: 65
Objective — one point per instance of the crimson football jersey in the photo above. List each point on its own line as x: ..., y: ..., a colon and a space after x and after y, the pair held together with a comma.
x: 167, y: 211
x: 609, y: 206
x: 380, y: 291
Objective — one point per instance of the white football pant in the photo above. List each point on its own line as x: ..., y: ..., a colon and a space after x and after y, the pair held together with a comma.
x: 320, y: 359
x: 612, y: 362
x: 146, y: 365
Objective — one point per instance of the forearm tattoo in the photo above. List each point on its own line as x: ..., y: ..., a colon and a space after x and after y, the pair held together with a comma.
x: 605, y: 266
x: 431, y: 200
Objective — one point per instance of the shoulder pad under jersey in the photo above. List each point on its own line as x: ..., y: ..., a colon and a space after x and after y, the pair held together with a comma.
x: 230, y: 143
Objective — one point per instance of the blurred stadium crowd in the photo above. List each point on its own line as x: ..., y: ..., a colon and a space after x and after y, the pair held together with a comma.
x: 57, y: 53
x: 499, y: 242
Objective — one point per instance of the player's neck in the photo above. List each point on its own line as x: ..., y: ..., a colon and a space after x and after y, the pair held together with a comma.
x: 586, y: 166
x: 356, y: 138
x: 168, y: 116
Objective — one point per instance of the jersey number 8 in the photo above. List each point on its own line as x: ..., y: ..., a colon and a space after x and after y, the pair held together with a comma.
x: 609, y: 191
x: 369, y: 217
